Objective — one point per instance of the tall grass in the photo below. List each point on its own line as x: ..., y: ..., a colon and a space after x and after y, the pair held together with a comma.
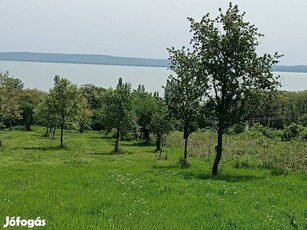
x: 86, y: 186
x: 249, y: 149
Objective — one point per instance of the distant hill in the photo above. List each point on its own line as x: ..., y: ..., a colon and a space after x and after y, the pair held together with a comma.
x: 296, y: 68
x: 82, y: 59
x: 109, y: 60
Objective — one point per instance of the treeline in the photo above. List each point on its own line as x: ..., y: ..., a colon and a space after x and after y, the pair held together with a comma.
x: 133, y: 113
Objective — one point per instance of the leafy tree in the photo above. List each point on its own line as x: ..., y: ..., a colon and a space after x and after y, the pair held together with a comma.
x: 145, y: 105
x: 291, y: 132
x: 9, y: 108
x: 10, y: 82
x: 45, y: 115
x: 85, y: 115
x: 118, y: 111
x: 64, y: 102
x: 183, y: 93
x: 29, y: 100
x: 94, y: 95
x: 238, y: 80
x: 161, y: 123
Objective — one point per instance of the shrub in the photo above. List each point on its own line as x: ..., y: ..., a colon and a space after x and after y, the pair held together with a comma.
x: 291, y: 132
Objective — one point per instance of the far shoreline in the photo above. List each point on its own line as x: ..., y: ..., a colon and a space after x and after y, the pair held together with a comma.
x: 96, y: 59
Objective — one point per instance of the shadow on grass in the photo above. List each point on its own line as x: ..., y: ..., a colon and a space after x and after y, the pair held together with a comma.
x: 137, y: 144
x: 221, y: 177
x: 102, y: 137
x: 110, y: 153
x: 167, y: 166
x: 45, y: 148
x: 187, y: 174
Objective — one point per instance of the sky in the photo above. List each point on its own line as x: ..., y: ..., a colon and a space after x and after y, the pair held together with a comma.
x: 142, y: 28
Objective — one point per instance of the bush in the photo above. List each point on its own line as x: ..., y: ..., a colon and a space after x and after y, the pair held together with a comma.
x: 267, y: 132
x: 291, y: 132
x: 237, y: 129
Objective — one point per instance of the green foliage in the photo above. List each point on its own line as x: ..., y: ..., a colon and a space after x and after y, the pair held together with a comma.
x: 283, y: 109
x: 266, y: 131
x: 85, y: 115
x: 29, y: 100
x: 64, y: 103
x: 145, y: 106
x: 44, y: 113
x: 9, y: 98
x: 94, y: 95
x: 117, y: 111
x: 291, y: 132
x: 237, y: 128
x: 236, y: 80
x: 161, y: 124
x: 183, y: 93
x: 10, y: 82
x: 303, y: 119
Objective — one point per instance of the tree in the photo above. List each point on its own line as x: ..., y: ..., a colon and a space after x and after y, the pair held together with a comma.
x: 145, y: 105
x: 161, y: 123
x: 183, y: 93
x: 94, y: 95
x: 46, y: 115
x: 118, y: 111
x: 279, y: 111
x: 64, y: 99
x: 9, y: 100
x: 85, y: 115
x: 237, y: 79
x: 10, y: 90
x: 29, y: 100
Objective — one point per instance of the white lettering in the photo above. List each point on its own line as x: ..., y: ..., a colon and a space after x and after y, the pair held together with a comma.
x: 11, y: 222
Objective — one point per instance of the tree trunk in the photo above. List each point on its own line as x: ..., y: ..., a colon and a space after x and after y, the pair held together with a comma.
x: 185, y: 156
x: 146, y: 136
x: 81, y: 127
x: 28, y: 123
x: 10, y: 125
x: 185, y: 137
x: 116, y: 149
x: 218, y: 149
x: 141, y: 136
x: 158, y: 142
x: 27, y: 126
x: 62, y: 130
x: 53, y: 133
x: 47, y: 132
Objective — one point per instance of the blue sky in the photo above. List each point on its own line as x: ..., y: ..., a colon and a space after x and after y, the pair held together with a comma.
x: 141, y: 28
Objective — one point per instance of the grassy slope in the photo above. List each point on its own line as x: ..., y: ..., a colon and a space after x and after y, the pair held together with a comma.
x: 84, y: 186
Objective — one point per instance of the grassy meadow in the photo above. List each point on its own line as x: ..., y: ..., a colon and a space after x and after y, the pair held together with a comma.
x: 262, y: 185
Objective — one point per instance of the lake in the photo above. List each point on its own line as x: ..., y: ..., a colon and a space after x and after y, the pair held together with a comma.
x: 40, y: 75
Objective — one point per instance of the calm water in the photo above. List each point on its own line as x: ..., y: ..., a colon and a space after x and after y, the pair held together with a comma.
x: 41, y: 75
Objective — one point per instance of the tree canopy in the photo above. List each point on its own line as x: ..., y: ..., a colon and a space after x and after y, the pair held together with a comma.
x: 234, y: 78
x: 118, y: 111
x: 64, y: 102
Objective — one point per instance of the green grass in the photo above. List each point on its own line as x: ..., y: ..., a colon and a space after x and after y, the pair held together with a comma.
x: 86, y: 186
